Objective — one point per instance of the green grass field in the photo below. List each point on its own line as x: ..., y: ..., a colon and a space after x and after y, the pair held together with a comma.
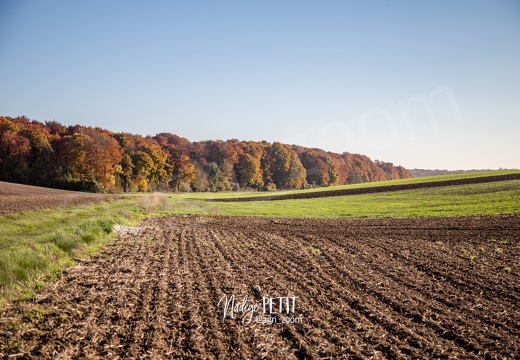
x: 230, y: 194
x: 36, y: 245
x: 478, y: 199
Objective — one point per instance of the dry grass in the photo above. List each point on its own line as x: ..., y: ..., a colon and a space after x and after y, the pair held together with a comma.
x: 154, y: 202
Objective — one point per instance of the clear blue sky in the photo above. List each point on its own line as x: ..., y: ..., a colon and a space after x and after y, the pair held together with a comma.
x: 426, y: 84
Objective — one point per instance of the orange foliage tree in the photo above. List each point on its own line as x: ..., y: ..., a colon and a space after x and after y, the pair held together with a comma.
x: 87, y: 158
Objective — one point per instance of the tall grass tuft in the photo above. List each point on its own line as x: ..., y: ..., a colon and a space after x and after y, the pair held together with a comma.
x: 154, y: 202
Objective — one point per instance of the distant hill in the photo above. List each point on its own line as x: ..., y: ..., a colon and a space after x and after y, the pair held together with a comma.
x: 424, y: 172
x: 86, y: 158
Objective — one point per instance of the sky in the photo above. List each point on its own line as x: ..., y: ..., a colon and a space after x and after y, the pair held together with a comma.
x: 422, y: 84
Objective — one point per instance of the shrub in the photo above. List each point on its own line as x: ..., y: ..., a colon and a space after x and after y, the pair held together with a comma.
x: 143, y: 185
x: 154, y: 202
x: 269, y: 187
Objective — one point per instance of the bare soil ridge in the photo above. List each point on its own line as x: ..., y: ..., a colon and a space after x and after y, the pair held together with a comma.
x: 18, y: 197
x: 377, y: 288
x: 374, y: 189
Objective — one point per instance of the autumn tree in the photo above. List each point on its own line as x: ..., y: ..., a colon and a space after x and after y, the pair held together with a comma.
x: 340, y: 167
x: 332, y: 170
x: 91, y: 155
x: 266, y: 166
x: 183, y: 170
x: 318, y: 168
x: 161, y: 169
x: 403, y: 173
x: 79, y: 157
x: 288, y: 172
x: 73, y: 157
x: 143, y: 167
x: 215, y: 151
x: 389, y: 169
x: 104, y: 153
x: 362, y: 169
x: 249, y: 172
x: 297, y: 173
x: 126, y: 173
x: 42, y: 157
x: 15, y: 151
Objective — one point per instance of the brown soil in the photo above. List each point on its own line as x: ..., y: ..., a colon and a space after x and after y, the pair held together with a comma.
x: 374, y: 189
x: 17, y: 197
x: 365, y: 288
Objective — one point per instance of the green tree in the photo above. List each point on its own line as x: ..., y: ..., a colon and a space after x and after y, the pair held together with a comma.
x: 216, y: 178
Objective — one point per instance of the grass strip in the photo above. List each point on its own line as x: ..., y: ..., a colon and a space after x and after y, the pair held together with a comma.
x: 35, y: 246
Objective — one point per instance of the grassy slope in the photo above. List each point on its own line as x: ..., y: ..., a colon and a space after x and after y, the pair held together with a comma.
x: 477, y: 199
x: 36, y: 245
x: 229, y: 194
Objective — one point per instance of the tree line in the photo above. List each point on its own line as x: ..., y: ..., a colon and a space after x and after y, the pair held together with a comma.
x: 94, y: 159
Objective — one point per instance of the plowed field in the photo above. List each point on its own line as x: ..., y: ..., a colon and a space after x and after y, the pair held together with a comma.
x: 17, y: 197
x: 364, y: 288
